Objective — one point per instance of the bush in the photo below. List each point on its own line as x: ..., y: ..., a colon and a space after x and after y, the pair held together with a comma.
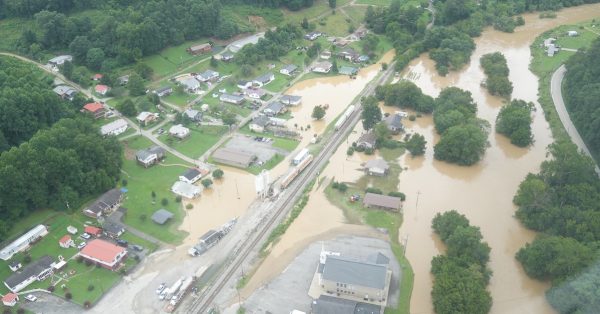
x: 374, y: 191
x: 124, y: 182
x: 401, y: 195
x: 359, y: 149
x: 164, y: 202
x: 87, y: 304
x: 79, y: 259
x: 189, y: 206
x: 177, y: 199
x: 350, y: 151
x: 217, y: 174
x: 90, y: 288
x: 88, y: 262
x: 207, y: 183
x: 342, y: 187
x: 68, y: 296
x: 412, y: 117
x: 20, y: 311
x: 369, y: 151
x: 143, y: 217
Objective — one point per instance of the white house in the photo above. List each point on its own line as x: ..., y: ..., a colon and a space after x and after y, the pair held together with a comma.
x: 60, y: 60
x: 259, y: 124
x: 35, y: 271
x: 191, y: 176
x: 179, y: 131
x: 255, y: 93
x: 207, y: 75
x: 288, y: 70
x: 232, y: 99
x: 114, y: 128
x: 23, y: 242
x: 322, y: 67
x: 191, y: 85
x: 146, y: 117
x: 264, y: 79
x: 186, y: 190
x: 164, y: 91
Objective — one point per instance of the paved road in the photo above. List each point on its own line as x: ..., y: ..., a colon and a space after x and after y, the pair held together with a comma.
x: 563, y: 114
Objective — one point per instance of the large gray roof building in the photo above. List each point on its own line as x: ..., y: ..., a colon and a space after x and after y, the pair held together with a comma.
x: 331, y: 305
x: 354, y: 273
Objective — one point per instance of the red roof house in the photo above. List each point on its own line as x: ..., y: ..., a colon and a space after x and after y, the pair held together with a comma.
x: 91, y: 230
x: 102, y: 89
x: 97, y: 77
x: 10, y: 299
x: 66, y: 241
x: 95, y: 108
x: 104, y: 253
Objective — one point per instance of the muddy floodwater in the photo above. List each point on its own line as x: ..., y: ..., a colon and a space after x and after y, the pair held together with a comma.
x: 482, y: 192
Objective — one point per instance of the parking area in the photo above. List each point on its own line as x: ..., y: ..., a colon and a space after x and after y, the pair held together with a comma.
x: 262, y: 147
x: 289, y: 290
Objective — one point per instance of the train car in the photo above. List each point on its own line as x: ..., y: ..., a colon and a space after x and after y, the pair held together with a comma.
x: 295, y: 171
x: 344, y: 117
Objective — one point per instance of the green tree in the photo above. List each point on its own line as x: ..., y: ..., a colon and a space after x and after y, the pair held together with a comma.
x: 79, y: 47
x: 217, y: 174
x: 514, y: 120
x: 462, y: 144
x: 136, y: 85
x: 229, y: 118
x: 416, y: 144
x: 213, y: 62
x: 128, y: 108
x: 318, y: 113
x: 382, y: 132
x: 334, y: 67
x: 371, y: 113
x: 332, y: 4
x: 94, y: 58
x: 304, y: 23
x: 143, y: 70
x: 444, y: 224
x: 207, y: 183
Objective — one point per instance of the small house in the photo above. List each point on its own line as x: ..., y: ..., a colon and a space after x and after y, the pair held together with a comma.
x: 114, y: 128
x: 572, y: 33
x: 161, y: 216
x: 93, y: 231
x: 101, y: 89
x: 549, y: 41
x: 23, y: 242
x: 66, y: 242
x: 394, y: 123
x: 65, y: 91
x: 348, y: 54
x: 10, y: 299
x: 325, y: 55
x: 150, y: 156
x: 15, y: 265
x: 363, y: 58
x: 200, y: 49
x: 386, y: 202
x: 312, y: 36
x: 97, y: 77
x: 377, y: 167
x: 254, y: 93
x: 72, y: 230
x: 191, y: 175
x: 96, y: 109
x: 186, y: 190
x: 263, y: 79
x: 232, y: 99
x: 243, y: 84
x: 193, y: 115
x: 164, y: 91
x: 259, y: 124
x: 347, y: 70
x: 208, y: 75
x: 104, y: 254
x: 290, y: 100
x: 190, y: 85
x: 367, y: 140
x: 289, y: 69
x: 112, y: 229
x: 35, y: 271
x: 60, y: 60
x: 274, y: 108
x: 105, y: 204
x: 179, y: 131
x: 145, y: 117
x: 322, y: 67
x: 552, y: 50
x: 234, y: 157
x: 123, y: 80
x: 227, y: 56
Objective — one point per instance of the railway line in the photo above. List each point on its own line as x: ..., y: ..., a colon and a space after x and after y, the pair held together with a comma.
x: 205, y: 301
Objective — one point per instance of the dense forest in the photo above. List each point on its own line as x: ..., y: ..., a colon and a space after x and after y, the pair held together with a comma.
x: 582, y: 94
x: 562, y: 202
x: 462, y: 275
x: 496, y: 69
x: 57, y: 168
x: 514, y: 121
x: 27, y: 102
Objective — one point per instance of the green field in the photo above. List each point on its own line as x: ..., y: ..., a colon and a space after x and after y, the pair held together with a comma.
x: 356, y: 13
x: 375, y: 2
x: 175, y: 58
x: 200, y: 140
x: 141, y: 182
x: 334, y: 25
x: 280, y: 83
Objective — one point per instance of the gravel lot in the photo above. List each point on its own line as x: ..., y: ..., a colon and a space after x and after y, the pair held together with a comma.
x: 264, y: 151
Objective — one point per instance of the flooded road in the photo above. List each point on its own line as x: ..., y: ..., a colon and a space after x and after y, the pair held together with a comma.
x: 482, y: 192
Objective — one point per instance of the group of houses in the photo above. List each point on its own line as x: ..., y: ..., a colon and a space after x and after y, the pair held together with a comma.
x: 186, y: 184
x: 551, y: 46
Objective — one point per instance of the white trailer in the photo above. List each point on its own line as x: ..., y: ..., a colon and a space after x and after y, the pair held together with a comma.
x: 344, y: 117
x: 300, y: 156
x: 174, y: 288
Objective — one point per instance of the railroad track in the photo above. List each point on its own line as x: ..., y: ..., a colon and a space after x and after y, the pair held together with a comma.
x: 204, y: 302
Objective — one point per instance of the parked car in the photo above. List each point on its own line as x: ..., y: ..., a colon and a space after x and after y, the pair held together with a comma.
x: 81, y: 245
x: 85, y: 235
x: 31, y: 297
x: 163, y: 295
x: 161, y: 288
x: 122, y: 243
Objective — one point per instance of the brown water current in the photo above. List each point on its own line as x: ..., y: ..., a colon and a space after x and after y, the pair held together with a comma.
x: 482, y: 192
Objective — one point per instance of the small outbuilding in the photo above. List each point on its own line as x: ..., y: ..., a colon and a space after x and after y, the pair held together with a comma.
x: 66, y: 242
x: 377, y: 167
x: 186, y: 190
x: 10, y: 299
x: 93, y: 231
x: 382, y: 201
x: 161, y: 216
x: 179, y: 131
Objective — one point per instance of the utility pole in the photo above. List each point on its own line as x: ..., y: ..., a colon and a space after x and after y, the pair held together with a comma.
x: 417, y: 204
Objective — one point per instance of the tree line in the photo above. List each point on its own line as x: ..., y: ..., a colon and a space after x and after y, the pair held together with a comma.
x: 274, y: 45
x: 27, y: 102
x: 462, y: 275
x: 496, y: 69
x: 562, y: 202
x: 59, y: 167
x: 582, y: 94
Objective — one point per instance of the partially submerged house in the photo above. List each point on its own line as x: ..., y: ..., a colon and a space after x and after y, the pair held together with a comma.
x: 114, y: 128
x: 233, y: 157
x: 104, y: 254
x: 23, y: 242
x: 386, y: 202
x: 150, y: 156
x: 105, y: 204
x: 347, y: 70
x: 377, y: 167
x: 36, y: 271
x: 186, y: 190
x: 367, y: 140
x: 322, y: 67
x: 394, y: 123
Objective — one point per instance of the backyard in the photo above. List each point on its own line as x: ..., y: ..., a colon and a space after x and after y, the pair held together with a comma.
x: 200, y: 140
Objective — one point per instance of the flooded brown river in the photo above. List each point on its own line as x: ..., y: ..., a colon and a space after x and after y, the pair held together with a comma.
x: 482, y: 192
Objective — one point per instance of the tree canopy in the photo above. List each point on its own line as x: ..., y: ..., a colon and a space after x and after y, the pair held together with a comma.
x: 514, y: 120
x: 274, y: 45
x: 405, y: 94
x: 371, y: 113
x: 495, y: 67
x: 416, y: 144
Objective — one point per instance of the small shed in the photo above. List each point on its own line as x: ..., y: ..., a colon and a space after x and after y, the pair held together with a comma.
x: 66, y: 242
x: 10, y: 299
x: 161, y: 216
x: 382, y: 201
x: 93, y: 231
x: 377, y: 167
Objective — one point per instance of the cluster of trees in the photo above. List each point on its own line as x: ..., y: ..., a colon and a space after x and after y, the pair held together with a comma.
x: 582, y: 94
x: 293, y: 5
x: 415, y: 144
x: 448, y: 47
x: 495, y: 67
x: 514, y: 120
x: 463, y: 137
x: 562, y: 202
x: 274, y: 45
x: 461, y: 276
x: 59, y: 168
x: 405, y: 94
x: 371, y: 114
x: 124, y: 32
x: 27, y: 102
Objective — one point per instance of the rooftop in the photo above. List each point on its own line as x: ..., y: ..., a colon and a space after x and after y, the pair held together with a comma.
x: 102, y: 250
x: 33, y: 269
x: 331, y: 305
x: 377, y: 163
x: 346, y: 271
x: 107, y: 200
x: 93, y: 107
x: 161, y: 216
x: 385, y: 201
x: 234, y: 155
x: 191, y: 173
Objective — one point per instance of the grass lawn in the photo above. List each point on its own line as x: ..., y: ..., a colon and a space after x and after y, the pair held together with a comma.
x: 270, y: 164
x: 241, y: 15
x: 200, y: 140
x: 141, y: 182
x: 374, y: 2
x: 180, y: 99
x: 334, y: 24
x: 357, y: 13
x: 280, y: 83
x: 543, y: 66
